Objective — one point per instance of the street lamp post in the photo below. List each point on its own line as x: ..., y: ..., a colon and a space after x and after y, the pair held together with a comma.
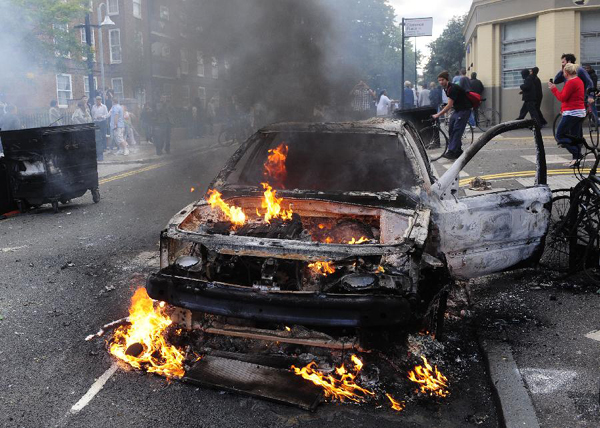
x: 106, y: 22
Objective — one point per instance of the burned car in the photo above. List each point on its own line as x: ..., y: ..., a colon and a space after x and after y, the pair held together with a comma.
x: 342, y: 225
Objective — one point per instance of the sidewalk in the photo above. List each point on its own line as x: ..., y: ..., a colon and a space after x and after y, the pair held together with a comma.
x: 145, y: 154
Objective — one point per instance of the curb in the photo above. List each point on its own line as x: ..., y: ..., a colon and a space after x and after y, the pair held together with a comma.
x: 154, y: 158
x: 515, y: 407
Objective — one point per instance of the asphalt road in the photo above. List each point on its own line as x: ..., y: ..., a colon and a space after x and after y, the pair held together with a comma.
x: 63, y: 276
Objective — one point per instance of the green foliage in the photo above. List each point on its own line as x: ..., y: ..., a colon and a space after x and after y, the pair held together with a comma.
x: 448, y: 50
x: 46, y: 29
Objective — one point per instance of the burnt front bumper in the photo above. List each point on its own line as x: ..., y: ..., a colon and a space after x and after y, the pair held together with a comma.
x: 305, y: 308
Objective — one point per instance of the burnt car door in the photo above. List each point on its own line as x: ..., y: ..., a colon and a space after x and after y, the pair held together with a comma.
x: 493, y: 232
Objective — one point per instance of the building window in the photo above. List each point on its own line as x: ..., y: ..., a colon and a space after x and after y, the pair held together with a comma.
x: 590, y: 37
x: 64, y: 90
x: 86, y: 85
x: 185, y: 65
x: 215, y: 68
x: 84, y: 40
x: 113, y: 7
x: 200, y: 61
x: 117, y: 87
x: 518, y: 51
x: 164, y: 13
x: 202, y: 96
x: 185, y: 95
x: 137, y: 8
x: 114, y: 37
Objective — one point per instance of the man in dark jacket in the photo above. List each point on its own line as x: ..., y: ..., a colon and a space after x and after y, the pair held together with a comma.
x: 529, y: 97
x: 539, y: 94
x: 476, y: 85
x: 592, y: 93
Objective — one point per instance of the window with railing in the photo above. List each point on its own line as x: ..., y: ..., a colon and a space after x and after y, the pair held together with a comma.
x: 518, y: 51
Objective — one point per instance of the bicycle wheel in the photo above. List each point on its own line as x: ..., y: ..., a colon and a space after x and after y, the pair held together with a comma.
x: 586, y: 246
x: 467, y: 137
x: 487, y: 118
x: 593, y: 125
x: 226, y: 137
x: 556, y: 250
x: 436, y: 142
x: 557, y: 120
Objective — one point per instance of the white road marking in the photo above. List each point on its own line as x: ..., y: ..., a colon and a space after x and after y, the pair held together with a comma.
x: 549, y: 158
x: 461, y: 174
x: 554, y: 181
x: 94, y: 389
x: 547, y: 381
x: 594, y: 335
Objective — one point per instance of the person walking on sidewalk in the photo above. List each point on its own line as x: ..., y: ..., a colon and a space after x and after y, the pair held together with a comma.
x: 424, y: 96
x: 162, y: 129
x: 146, y: 121
x: 409, y: 96
x: 529, y: 97
x: 99, y: 116
x: 117, y: 124
x: 457, y: 100
x: 478, y: 88
x: 592, y: 93
x: 539, y: 95
x: 81, y: 114
x: 573, y: 111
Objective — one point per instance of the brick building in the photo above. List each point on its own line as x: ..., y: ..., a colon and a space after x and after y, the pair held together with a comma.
x: 156, y: 47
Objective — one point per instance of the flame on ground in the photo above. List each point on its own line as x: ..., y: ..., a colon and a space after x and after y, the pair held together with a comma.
x: 342, y: 386
x: 396, y: 405
x: 142, y: 344
x: 360, y: 240
x: 275, y: 170
x: 234, y: 214
x: 430, y: 380
x: 272, y: 204
x: 323, y: 268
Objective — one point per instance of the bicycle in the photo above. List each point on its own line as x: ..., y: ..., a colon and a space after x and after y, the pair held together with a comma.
x: 468, y: 135
x: 590, y: 118
x: 573, y: 240
x: 486, y: 117
x: 434, y: 139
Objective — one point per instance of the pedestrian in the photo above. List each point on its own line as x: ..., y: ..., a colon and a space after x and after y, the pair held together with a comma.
x: 415, y: 95
x: 129, y: 129
x: 464, y: 82
x: 9, y: 122
x: 573, y: 111
x: 581, y: 73
x: 162, y: 127
x: 478, y: 88
x: 81, y: 114
x: 424, y: 96
x: 54, y: 114
x: 528, y: 95
x: 457, y: 100
x: 117, y: 125
x: 362, y: 99
x: 211, y: 114
x: 110, y: 95
x: 539, y: 95
x: 592, y: 93
x: 435, y: 96
x: 456, y: 77
x: 99, y: 116
x: 409, y: 96
x: 383, y: 105
x: 146, y: 121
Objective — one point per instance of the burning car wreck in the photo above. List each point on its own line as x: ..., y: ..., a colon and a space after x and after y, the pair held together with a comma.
x: 341, y: 225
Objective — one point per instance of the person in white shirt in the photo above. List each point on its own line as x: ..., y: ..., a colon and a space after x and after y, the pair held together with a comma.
x: 383, y: 105
x: 424, y: 97
x: 81, y: 114
x: 99, y: 116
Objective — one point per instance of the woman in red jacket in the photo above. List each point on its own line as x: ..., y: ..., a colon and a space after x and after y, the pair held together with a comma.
x: 573, y: 111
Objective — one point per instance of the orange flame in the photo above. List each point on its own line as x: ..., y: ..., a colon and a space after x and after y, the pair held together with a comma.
x: 324, y: 268
x: 328, y: 240
x: 272, y: 204
x: 430, y: 380
x: 360, y: 240
x: 146, y: 332
x: 275, y: 170
x: 192, y: 189
x: 234, y: 214
x: 396, y: 405
x: 341, y: 386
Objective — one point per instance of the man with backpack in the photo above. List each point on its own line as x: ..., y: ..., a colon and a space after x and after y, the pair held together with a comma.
x: 458, y: 100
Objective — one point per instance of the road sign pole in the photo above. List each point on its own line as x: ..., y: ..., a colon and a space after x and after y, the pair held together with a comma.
x: 402, y: 71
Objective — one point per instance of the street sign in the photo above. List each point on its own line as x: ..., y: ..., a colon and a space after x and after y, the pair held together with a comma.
x: 418, y: 27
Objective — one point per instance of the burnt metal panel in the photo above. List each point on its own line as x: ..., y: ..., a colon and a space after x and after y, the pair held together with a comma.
x: 306, y: 308
x: 256, y: 380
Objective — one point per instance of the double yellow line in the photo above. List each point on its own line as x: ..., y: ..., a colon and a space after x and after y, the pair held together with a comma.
x: 132, y: 172
x: 519, y: 174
